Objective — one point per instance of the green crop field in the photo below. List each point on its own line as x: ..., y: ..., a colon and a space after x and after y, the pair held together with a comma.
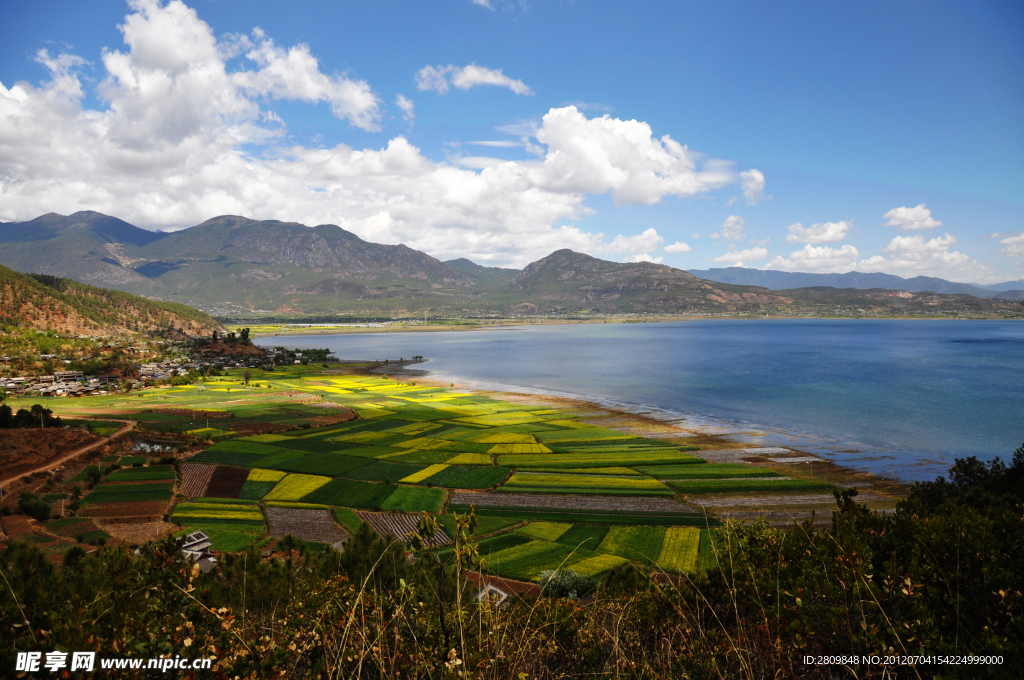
x: 467, y: 477
x: 598, y: 459
x: 142, y: 474
x: 639, y: 544
x: 584, y: 536
x: 605, y: 485
x: 680, y: 549
x: 125, y: 493
x: 741, y: 485
x: 352, y: 493
x: 548, y: 531
x: 592, y: 566
x: 380, y: 471
x: 527, y: 561
x: 225, y: 538
x: 242, y: 517
x: 593, y: 517
x: 708, y: 471
x: 414, y: 499
x: 325, y: 464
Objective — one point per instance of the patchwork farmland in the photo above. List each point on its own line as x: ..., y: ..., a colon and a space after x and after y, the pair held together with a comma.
x: 315, y: 455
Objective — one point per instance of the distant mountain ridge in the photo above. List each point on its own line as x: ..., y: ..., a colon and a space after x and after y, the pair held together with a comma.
x: 777, y: 280
x: 234, y: 266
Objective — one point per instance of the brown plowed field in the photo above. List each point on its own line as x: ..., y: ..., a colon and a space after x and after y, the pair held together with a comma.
x: 306, y: 523
x: 139, y: 532
x: 399, y: 525
x: 139, y: 509
x: 226, y: 482
x: 22, y: 450
x: 196, y: 478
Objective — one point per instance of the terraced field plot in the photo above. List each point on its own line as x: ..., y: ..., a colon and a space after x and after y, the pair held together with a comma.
x: 352, y: 493
x: 599, y: 459
x: 699, y: 486
x: 195, y: 478
x: 304, y: 523
x: 708, y: 471
x: 680, y: 549
x: 584, y: 484
x: 154, y: 472
x: 400, y: 526
x: 226, y: 482
x: 125, y: 493
x: 296, y: 487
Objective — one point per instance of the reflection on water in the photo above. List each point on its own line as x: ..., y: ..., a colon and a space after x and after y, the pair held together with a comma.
x: 901, y: 398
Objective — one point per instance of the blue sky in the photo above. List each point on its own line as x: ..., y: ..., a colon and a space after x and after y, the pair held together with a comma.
x: 871, y: 123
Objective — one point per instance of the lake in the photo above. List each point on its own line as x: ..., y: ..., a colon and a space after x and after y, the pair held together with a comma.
x: 899, y: 398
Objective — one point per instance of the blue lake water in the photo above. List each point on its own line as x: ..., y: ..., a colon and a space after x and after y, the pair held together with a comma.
x: 899, y: 398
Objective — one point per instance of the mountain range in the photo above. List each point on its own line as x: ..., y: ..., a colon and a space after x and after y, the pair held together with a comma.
x: 776, y: 280
x: 233, y: 266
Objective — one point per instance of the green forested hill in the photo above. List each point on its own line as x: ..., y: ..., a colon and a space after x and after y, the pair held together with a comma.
x: 44, y: 302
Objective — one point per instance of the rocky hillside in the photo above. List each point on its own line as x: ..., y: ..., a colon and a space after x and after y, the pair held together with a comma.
x: 43, y: 302
x: 567, y: 280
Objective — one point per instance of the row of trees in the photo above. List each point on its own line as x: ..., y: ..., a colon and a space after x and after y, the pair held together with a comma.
x: 24, y: 418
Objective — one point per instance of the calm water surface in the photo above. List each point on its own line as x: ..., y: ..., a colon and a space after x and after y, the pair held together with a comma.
x: 900, y: 398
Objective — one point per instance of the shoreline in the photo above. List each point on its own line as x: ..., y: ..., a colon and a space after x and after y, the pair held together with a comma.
x: 412, y: 326
x: 618, y: 416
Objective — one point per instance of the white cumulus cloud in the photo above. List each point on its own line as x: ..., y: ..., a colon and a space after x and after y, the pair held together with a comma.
x: 733, y: 229
x: 183, y: 137
x: 407, y: 107
x: 737, y: 257
x: 911, y: 219
x: 827, y: 232
x: 438, y: 78
x: 644, y: 257
x: 911, y: 256
x: 1014, y: 247
x: 483, y: 3
x: 817, y: 259
x: 648, y: 240
x: 752, y: 182
x: 678, y: 247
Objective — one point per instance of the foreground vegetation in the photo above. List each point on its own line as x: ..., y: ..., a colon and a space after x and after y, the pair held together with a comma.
x: 940, y: 576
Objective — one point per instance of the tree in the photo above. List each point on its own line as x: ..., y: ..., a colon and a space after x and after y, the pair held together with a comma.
x: 34, y: 506
x: 464, y: 556
x: 245, y: 335
x: 247, y: 376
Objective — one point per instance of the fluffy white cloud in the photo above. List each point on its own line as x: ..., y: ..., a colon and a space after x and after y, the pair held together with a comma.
x: 828, y: 232
x: 644, y: 257
x: 732, y: 229
x: 407, y: 107
x: 437, y: 78
x: 911, y: 219
x: 737, y: 257
x: 817, y: 259
x: 175, y: 146
x: 911, y: 256
x: 649, y: 240
x: 752, y: 182
x: 598, y: 155
x: 1014, y: 247
x: 678, y: 247
x: 483, y: 3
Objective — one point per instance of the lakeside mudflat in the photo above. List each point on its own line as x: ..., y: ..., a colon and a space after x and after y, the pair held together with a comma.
x: 897, y: 398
